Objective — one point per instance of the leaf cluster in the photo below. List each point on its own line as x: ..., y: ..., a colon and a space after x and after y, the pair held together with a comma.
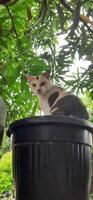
x: 6, y: 182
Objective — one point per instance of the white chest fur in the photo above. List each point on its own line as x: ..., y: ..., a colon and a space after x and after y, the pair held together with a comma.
x: 44, y: 105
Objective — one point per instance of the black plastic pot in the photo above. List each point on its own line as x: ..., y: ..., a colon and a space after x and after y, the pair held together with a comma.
x: 1, y: 134
x: 51, y: 158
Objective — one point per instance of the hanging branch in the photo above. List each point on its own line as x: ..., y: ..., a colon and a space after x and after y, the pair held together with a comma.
x: 43, y: 11
x: 41, y: 17
x: 76, y: 18
x: 29, y: 14
x: 11, y: 19
x: 52, y: 47
x: 61, y: 16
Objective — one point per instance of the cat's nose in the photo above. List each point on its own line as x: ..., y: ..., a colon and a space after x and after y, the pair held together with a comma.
x: 39, y: 90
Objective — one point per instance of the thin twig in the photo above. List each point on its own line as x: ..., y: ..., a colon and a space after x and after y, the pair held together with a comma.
x: 11, y: 19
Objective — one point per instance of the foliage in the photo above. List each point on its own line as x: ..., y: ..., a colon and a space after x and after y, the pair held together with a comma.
x: 36, y: 35
x: 8, y: 198
x: 91, y: 197
x: 29, y: 41
x: 89, y: 104
x: 6, y: 182
x: 5, y: 146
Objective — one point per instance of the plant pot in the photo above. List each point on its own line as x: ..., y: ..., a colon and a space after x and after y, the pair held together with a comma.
x: 51, y: 158
x: 1, y: 134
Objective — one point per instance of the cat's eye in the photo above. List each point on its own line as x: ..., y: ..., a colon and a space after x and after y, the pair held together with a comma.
x: 34, y: 85
x: 42, y: 84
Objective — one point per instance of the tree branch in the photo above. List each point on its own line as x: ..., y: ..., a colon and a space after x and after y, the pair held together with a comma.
x: 61, y: 16
x: 72, y: 11
x: 67, y: 6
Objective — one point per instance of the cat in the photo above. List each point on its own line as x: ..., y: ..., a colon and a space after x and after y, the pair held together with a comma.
x: 55, y: 100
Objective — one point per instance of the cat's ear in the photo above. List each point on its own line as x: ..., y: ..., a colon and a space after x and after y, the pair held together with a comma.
x: 29, y: 77
x: 47, y: 74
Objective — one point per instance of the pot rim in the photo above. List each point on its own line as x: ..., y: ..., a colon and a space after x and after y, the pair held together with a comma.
x: 70, y: 120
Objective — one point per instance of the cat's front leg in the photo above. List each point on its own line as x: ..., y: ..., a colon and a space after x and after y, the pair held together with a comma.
x: 53, y: 111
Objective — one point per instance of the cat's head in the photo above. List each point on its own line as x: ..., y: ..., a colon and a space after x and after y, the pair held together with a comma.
x: 41, y: 84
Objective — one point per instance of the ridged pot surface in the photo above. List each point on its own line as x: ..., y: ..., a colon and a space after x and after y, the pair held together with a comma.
x: 51, y: 158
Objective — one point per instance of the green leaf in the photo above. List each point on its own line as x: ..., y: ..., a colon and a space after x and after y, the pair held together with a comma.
x: 37, y: 66
x: 11, y: 74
